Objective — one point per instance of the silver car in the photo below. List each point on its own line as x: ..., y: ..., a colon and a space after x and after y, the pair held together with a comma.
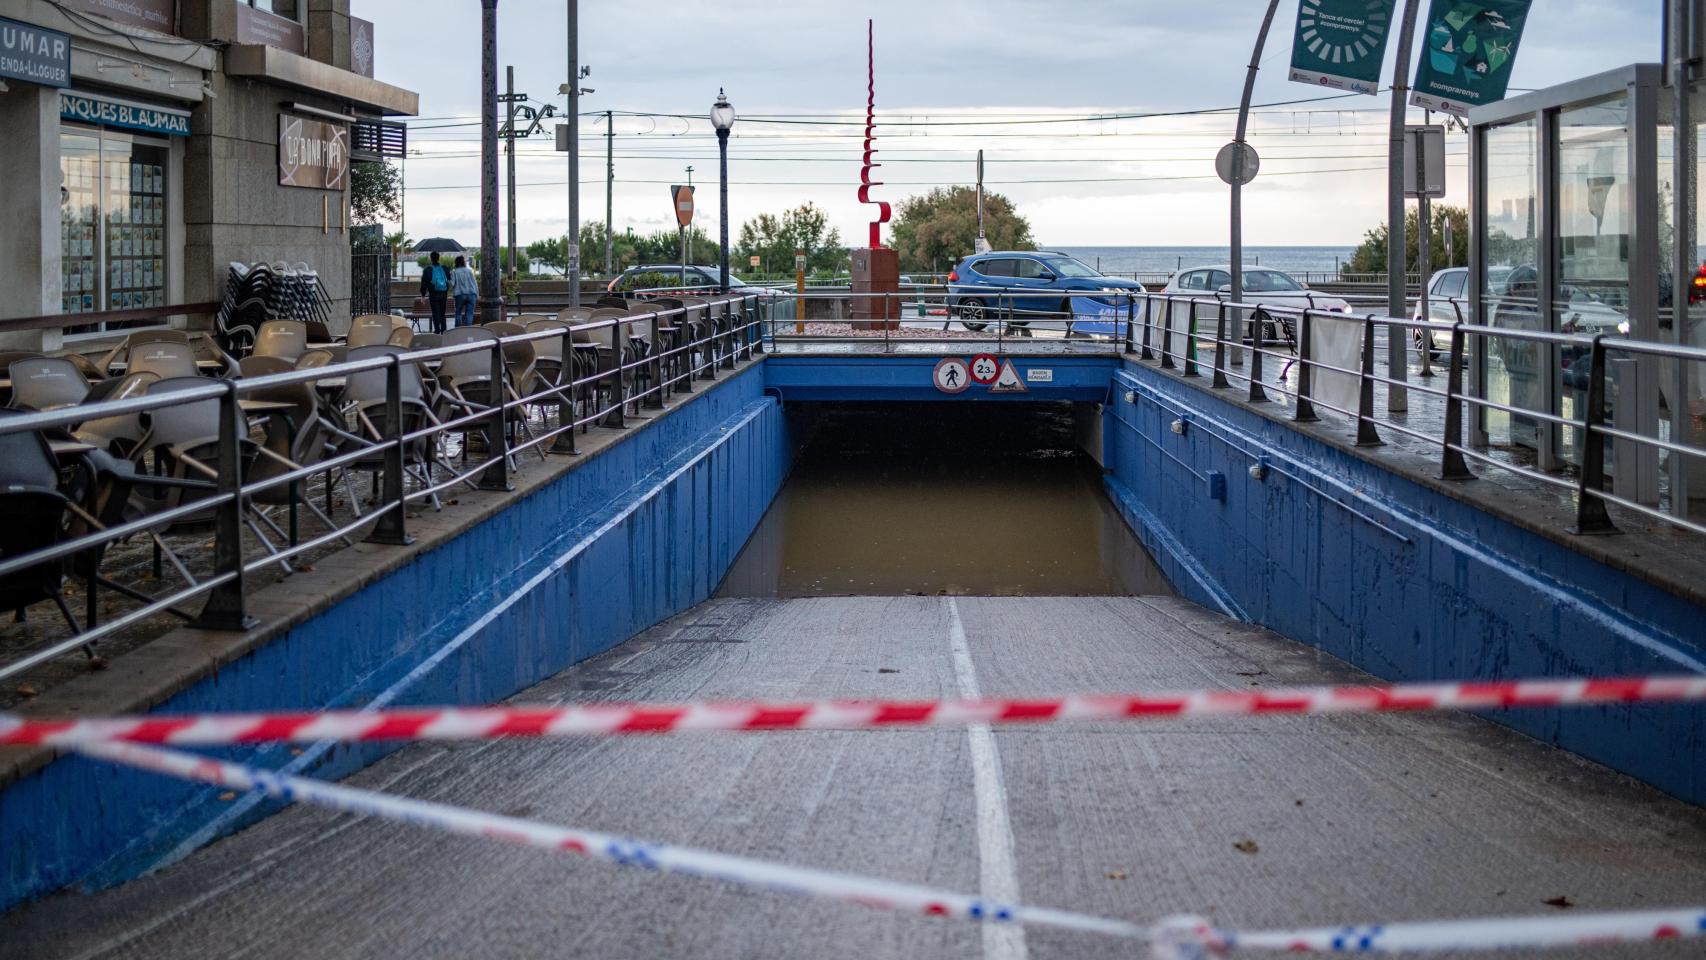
x: 1262, y: 287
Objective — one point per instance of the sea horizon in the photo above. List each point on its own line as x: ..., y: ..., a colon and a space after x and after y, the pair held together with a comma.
x: 1167, y: 259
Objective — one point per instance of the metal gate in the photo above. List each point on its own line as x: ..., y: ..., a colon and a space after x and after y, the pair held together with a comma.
x: 370, y: 283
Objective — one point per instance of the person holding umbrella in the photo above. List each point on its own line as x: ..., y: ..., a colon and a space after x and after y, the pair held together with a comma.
x: 436, y: 280
x: 435, y: 287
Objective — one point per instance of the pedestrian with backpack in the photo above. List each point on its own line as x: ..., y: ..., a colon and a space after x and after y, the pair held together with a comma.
x: 435, y: 286
x: 466, y: 288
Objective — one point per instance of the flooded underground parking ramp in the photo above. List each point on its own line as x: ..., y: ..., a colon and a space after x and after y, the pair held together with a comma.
x: 891, y: 499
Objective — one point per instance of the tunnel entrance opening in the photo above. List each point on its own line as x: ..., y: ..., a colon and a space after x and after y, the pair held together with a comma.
x: 958, y: 499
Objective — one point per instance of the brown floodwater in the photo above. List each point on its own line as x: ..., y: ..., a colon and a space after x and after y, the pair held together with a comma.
x: 970, y: 499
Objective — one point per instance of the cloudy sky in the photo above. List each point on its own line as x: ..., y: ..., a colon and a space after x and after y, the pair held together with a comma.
x: 952, y: 77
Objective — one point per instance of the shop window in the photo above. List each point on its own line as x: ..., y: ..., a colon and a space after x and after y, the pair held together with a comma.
x: 113, y: 224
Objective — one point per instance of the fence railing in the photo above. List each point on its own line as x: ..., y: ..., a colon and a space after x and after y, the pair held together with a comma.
x: 192, y: 453
x: 1344, y: 346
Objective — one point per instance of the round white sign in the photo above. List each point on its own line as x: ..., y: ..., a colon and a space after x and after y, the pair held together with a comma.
x: 1237, y: 163
x: 951, y: 375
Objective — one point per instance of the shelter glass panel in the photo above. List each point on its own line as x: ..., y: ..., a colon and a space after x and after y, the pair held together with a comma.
x: 1512, y: 247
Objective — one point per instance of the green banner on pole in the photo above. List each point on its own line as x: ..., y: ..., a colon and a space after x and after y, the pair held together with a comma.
x: 1340, y: 43
x: 1471, y: 48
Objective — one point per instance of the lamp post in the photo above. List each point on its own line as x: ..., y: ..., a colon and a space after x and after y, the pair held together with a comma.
x: 723, y: 118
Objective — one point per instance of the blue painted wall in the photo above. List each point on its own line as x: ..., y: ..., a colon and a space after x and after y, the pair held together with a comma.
x: 1395, y: 577
x: 642, y: 530
x: 906, y: 377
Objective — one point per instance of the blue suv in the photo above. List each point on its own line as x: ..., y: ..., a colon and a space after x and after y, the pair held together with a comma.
x: 1001, y: 282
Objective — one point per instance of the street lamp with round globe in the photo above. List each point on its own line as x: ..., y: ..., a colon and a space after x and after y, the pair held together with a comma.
x: 723, y: 118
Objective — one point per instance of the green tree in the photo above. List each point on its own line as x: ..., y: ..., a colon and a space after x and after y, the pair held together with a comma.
x: 774, y: 239
x: 664, y: 246
x: 940, y: 227
x: 549, y: 252
x: 1370, y: 256
x: 375, y: 191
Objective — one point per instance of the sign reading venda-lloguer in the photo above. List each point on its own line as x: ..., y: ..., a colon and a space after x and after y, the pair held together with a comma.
x: 34, y: 55
x: 312, y: 154
x: 121, y: 113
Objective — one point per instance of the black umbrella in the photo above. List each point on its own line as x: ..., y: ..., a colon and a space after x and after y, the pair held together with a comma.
x: 439, y: 245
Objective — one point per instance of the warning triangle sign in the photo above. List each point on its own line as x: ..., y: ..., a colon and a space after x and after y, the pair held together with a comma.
x: 1008, y: 381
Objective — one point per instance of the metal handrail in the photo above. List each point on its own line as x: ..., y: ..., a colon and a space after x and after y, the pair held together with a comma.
x: 730, y: 330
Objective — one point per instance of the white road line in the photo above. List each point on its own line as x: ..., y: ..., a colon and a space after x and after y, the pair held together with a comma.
x: 998, y: 875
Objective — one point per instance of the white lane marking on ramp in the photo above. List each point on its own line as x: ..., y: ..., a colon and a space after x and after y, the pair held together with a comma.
x: 998, y: 876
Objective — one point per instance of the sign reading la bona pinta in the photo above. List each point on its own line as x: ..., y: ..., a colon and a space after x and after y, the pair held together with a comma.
x: 34, y: 55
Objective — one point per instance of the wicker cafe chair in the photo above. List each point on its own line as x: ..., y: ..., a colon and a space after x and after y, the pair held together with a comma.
x: 295, y: 437
x: 46, y: 383
x: 283, y: 339
x: 364, y: 396
x: 35, y: 512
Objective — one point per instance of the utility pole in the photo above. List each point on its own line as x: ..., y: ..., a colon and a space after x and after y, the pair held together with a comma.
x: 491, y: 294
x: 573, y: 88
x: 609, y: 191
x: 1397, y: 267
x: 509, y: 99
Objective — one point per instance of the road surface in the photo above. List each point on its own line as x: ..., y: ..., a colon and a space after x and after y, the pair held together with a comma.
x: 1257, y: 822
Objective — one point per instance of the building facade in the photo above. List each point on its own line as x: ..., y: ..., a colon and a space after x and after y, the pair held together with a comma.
x: 151, y: 143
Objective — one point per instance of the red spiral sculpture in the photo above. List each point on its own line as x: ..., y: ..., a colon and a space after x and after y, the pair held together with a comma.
x: 865, y: 181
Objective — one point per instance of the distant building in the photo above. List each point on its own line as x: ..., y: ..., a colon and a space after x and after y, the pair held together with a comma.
x: 149, y: 143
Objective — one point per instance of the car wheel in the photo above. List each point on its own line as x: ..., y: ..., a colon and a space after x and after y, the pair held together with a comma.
x: 974, y: 316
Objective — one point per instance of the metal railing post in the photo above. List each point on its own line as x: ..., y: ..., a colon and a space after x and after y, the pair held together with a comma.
x: 566, y: 415
x: 655, y: 363
x: 684, y: 353
x: 1130, y: 315
x: 1167, y: 337
x: 1591, y: 515
x: 1258, y: 347
x: 754, y: 327
x: 389, y: 529
x: 710, y: 344
x: 1191, y: 343
x: 1452, y: 465
x: 225, y: 608
x: 1219, y: 347
x: 1366, y: 434
x: 496, y: 474
x: 1305, y: 411
x: 1143, y: 347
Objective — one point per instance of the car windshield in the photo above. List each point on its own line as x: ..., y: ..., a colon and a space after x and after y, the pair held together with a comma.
x: 1068, y: 267
x: 1268, y: 281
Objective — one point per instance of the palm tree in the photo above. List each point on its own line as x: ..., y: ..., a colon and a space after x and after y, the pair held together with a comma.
x: 398, y: 242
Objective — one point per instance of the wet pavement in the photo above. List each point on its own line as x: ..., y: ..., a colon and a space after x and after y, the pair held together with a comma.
x: 1252, y: 821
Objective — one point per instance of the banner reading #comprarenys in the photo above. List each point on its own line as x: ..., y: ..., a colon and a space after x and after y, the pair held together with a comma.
x: 1340, y: 43
x: 1468, y: 51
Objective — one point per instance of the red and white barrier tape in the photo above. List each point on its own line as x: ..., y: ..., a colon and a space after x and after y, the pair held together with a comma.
x: 781, y: 878
x: 1179, y: 938
x: 480, y: 723
x: 1190, y: 938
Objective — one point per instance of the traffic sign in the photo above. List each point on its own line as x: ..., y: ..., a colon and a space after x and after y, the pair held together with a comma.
x: 753, y: 261
x: 951, y: 375
x: 984, y: 368
x: 1424, y: 145
x: 1007, y: 381
x: 683, y: 199
x: 1237, y: 163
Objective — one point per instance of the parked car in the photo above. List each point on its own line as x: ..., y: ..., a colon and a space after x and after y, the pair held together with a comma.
x: 1025, y: 285
x: 1448, y: 300
x: 1262, y: 287
x: 692, y: 277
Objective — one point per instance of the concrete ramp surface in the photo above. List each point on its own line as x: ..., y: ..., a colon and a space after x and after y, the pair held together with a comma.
x: 1253, y: 821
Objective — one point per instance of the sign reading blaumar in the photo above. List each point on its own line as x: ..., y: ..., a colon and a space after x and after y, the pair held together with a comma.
x: 312, y: 154
x: 34, y: 55
x: 121, y: 113
x: 1340, y: 43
